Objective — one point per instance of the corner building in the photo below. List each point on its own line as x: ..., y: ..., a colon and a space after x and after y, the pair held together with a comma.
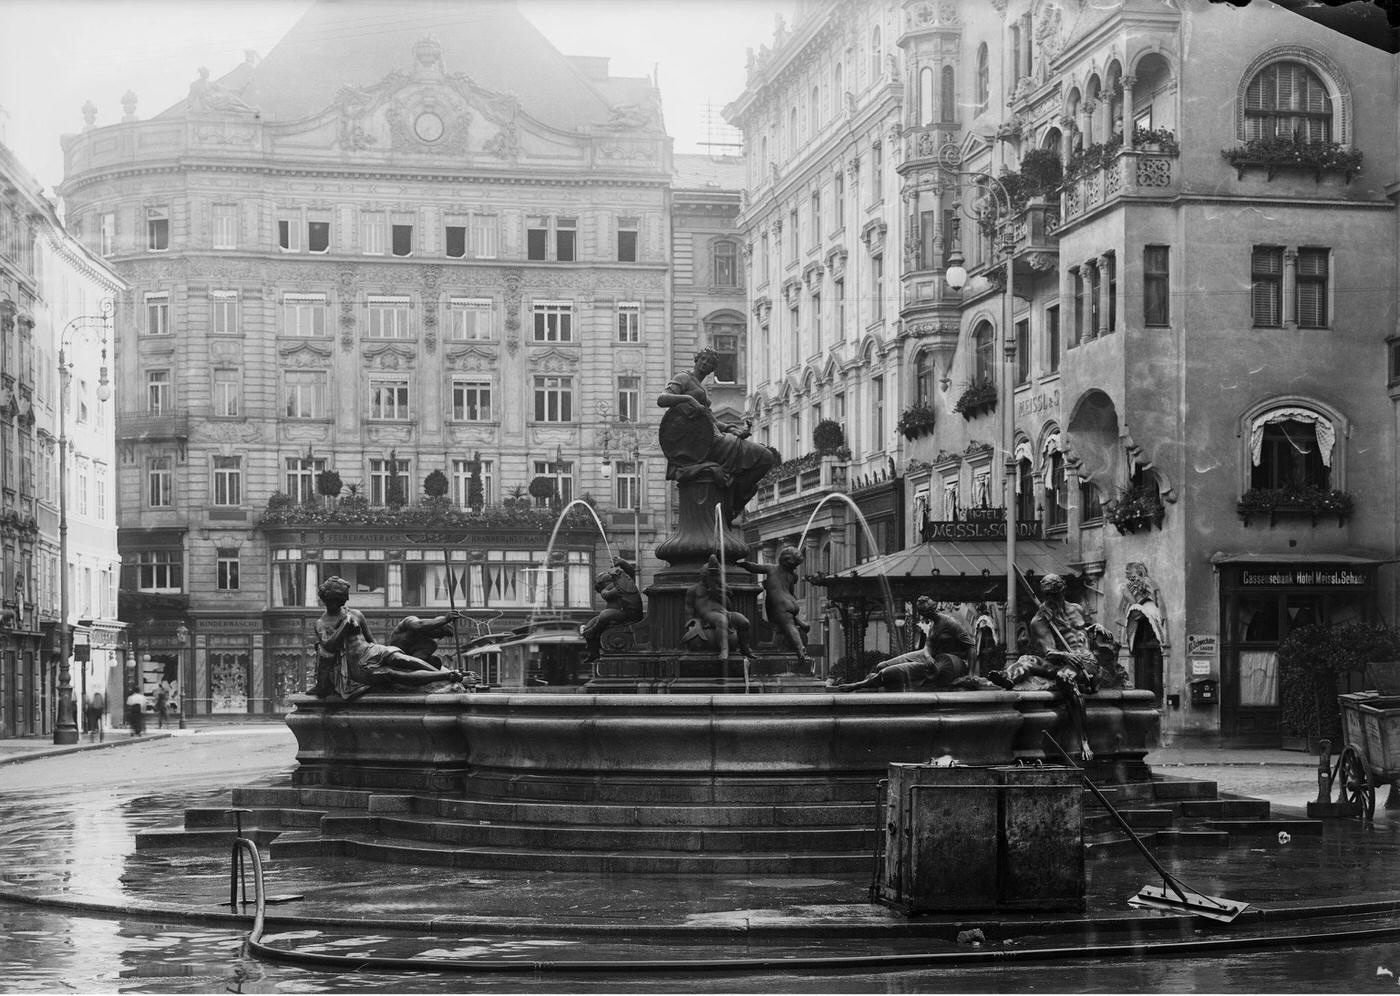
x: 1202, y: 376
x: 392, y: 247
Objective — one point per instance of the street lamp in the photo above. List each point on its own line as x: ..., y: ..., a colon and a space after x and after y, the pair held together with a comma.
x: 66, y: 729
x: 956, y: 275
x: 182, y: 636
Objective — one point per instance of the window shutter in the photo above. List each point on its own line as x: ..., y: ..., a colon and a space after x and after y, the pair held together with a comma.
x: 1312, y: 262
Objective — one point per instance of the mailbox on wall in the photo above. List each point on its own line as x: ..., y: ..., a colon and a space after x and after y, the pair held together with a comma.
x: 1205, y: 691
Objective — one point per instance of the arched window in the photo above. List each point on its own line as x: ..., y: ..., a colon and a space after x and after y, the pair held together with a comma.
x: 1291, y: 448
x: 725, y: 260
x: 725, y: 337
x: 947, y: 96
x: 877, y: 55
x: 766, y: 161
x: 838, y: 88
x: 983, y: 79
x: 923, y: 378
x: 1287, y: 100
x: 1027, y: 486
x: 792, y: 131
x: 814, y: 114
x: 983, y: 358
x: 925, y: 96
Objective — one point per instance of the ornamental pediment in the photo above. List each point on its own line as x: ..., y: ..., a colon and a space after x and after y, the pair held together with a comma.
x: 471, y: 358
x: 388, y: 357
x: 553, y: 360
x: 304, y: 354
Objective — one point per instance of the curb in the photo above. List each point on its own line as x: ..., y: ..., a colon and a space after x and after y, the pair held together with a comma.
x: 52, y: 751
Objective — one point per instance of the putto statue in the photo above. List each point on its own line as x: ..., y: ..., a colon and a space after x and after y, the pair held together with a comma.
x: 697, y: 444
x: 780, y: 605
x: 347, y: 655
x: 622, y: 603
x: 712, y: 623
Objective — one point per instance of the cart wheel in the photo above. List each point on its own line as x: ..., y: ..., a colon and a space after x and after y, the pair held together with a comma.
x: 1356, y: 786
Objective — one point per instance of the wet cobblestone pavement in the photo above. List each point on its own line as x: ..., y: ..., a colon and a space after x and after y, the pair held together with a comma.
x: 140, y: 920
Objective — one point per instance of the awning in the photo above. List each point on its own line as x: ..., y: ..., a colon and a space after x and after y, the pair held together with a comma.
x: 1358, y: 560
x: 557, y: 637
x: 490, y: 648
x: 965, y: 559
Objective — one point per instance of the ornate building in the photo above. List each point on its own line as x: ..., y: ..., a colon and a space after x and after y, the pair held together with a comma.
x: 380, y: 260
x: 1191, y: 245
x: 52, y: 291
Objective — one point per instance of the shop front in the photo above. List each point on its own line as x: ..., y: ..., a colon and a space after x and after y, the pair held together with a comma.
x: 1261, y: 602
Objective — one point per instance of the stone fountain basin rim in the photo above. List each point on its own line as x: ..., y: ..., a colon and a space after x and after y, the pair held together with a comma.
x: 738, y: 700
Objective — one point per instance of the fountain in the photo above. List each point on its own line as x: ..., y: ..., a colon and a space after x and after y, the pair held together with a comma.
x: 663, y: 763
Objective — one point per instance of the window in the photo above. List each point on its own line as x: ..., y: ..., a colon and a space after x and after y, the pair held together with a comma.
x: 554, y: 399
x: 454, y: 241
x: 838, y: 288
x: 923, y: 378
x: 877, y: 406
x: 108, y: 237
x: 158, y: 314
x: 159, y: 483
x: 1090, y: 502
x: 484, y: 236
x: 1052, y: 338
x: 726, y: 271
x: 225, y: 218
x: 223, y: 306
x: 1057, y: 510
x: 817, y: 322
x: 159, y: 570
x: 471, y: 400
x: 388, y: 399
x: 554, y: 321
x: 83, y: 486
x: 301, y: 477
x: 372, y: 233
x: 1078, y: 275
x: 947, y: 96
x: 926, y: 96
x: 1312, y: 288
x: 462, y: 482
x: 839, y: 198
x: 561, y: 472
x: 304, y: 314
x: 794, y: 244
x: 157, y: 231
x: 388, y: 317
x: 305, y: 392
x: 227, y: 394
x: 288, y: 235
x: 100, y: 491
x: 318, y: 236
x: 1015, y: 66
x: 629, y: 484
x: 626, y: 240
x: 388, y: 481
x: 472, y: 318
x: 877, y: 56
x: 1111, y: 264
x: 565, y: 239
x: 1095, y: 318
x: 228, y: 480
x: 983, y: 79
x: 536, y: 238
x: 1156, y: 285
x: 227, y: 569
x: 401, y: 239
x: 983, y: 359
x: 629, y: 398
x: 1287, y: 100
x: 763, y: 259
x: 629, y: 321
x: 158, y: 392
x: 877, y: 279
x: 814, y: 112
x: 1023, y: 351
x: 1291, y: 448
x: 1266, y: 286
x: 795, y: 327
x: 816, y: 219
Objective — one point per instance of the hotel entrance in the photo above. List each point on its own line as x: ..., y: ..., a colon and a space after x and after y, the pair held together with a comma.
x: 1260, y: 604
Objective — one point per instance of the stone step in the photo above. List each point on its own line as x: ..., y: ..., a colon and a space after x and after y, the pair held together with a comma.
x: 293, y: 797
x: 1167, y: 788
x: 633, y: 862
x: 181, y: 839
x: 1267, y: 827
x: 607, y: 838
x: 1255, y: 809
x: 1139, y: 819
x: 220, y: 817
x: 591, y: 814
x: 1113, y: 845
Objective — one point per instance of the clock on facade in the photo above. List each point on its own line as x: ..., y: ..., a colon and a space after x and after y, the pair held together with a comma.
x: 428, y: 126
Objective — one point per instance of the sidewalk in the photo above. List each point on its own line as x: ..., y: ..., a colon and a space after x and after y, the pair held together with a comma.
x: 19, y: 749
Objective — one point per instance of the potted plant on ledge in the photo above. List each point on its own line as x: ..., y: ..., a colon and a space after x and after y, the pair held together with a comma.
x: 1305, y: 501
x: 1155, y: 140
x: 980, y: 398
x: 916, y: 421
x: 1274, y: 154
x: 1135, y: 508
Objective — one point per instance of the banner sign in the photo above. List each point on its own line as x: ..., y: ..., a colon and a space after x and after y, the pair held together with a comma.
x: 932, y: 531
x: 1289, y: 576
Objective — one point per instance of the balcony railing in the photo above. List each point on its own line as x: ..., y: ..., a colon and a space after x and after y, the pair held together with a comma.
x: 813, y: 474
x: 147, y: 426
x: 1130, y: 173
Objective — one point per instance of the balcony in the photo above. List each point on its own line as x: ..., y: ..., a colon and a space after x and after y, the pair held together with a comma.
x: 1124, y: 174
x: 812, y: 475
x: 153, y: 427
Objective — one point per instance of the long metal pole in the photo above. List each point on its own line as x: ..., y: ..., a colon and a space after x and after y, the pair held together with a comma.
x: 66, y: 729
x: 1008, y: 442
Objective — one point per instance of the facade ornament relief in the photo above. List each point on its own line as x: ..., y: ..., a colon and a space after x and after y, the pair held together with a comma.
x: 471, y: 358
x: 380, y: 433
x: 305, y: 432
x: 388, y: 357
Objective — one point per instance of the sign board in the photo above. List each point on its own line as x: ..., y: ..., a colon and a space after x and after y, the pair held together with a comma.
x: 1202, y: 650
x: 932, y: 531
x: 1290, y: 576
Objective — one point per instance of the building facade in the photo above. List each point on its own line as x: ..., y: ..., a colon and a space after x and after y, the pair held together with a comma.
x: 1188, y: 205
x: 391, y: 301
x: 52, y: 317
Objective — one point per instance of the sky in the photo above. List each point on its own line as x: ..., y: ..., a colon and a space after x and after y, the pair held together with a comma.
x: 61, y: 53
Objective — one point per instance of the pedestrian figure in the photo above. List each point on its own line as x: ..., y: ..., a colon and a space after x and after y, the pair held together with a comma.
x: 95, y: 707
x: 162, y: 702
x: 136, y: 712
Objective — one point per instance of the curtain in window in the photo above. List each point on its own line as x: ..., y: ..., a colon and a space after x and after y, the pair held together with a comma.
x: 1048, y: 449
x: 1258, y: 678
x: 1326, y: 432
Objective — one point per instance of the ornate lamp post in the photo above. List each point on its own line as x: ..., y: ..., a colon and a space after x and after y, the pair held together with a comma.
x: 66, y: 728
x: 1000, y: 211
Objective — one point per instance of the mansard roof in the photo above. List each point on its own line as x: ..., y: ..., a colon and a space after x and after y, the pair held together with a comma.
x: 358, y: 43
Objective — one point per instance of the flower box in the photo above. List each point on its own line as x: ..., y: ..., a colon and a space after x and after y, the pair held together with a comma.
x: 1275, y: 154
x: 1306, y: 503
x: 980, y: 398
x: 916, y: 421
